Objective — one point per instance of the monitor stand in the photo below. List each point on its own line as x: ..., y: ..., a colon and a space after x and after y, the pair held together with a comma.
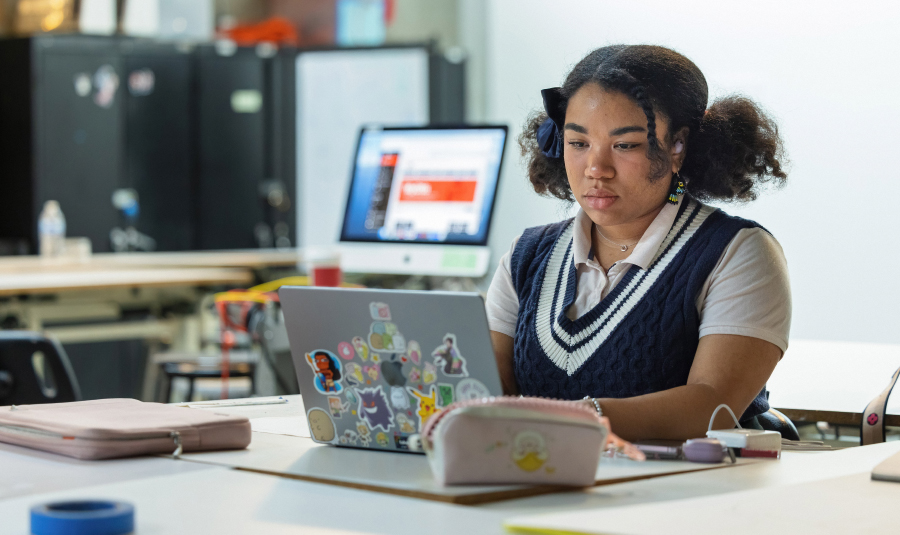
x: 415, y: 259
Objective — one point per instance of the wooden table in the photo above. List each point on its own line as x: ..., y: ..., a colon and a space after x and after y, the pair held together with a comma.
x: 826, y: 381
x: 64, y: 279
x: 85, y: 300
x: 242, y: 258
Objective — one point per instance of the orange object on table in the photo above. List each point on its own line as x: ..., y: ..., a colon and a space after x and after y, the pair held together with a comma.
x: 273, y: 30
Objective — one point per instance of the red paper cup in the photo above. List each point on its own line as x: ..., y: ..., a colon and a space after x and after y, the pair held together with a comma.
x: 324, y: 268
x: 326, y: 275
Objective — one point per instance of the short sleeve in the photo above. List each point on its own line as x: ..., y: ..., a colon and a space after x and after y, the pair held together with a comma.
x: 748, y: 293
x: 502, y: 302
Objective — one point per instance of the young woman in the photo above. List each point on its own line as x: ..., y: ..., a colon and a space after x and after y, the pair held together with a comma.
x: 651, y: 306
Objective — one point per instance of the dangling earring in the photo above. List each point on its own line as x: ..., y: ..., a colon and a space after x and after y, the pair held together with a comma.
x: 677, y: 189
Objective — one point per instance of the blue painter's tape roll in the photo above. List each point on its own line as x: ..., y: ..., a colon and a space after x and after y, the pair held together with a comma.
x: 92, y: 517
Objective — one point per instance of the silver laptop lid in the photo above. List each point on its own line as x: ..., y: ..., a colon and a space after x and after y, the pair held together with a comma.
x: 374, y: 365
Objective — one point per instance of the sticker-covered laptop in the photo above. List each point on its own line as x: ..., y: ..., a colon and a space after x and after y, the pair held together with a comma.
x: 374, y: 365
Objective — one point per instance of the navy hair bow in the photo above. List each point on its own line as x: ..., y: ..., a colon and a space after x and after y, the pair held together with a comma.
x: 549, y: 134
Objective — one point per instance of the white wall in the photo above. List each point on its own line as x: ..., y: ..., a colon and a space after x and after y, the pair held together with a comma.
x: 828, y: 71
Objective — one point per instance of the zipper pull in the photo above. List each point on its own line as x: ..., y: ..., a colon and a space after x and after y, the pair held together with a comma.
x: 176, y: 437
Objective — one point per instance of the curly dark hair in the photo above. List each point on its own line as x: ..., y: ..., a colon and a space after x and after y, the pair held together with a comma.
x: 732, y: 148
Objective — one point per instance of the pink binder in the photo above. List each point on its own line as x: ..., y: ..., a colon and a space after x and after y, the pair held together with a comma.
x: 108, y: 428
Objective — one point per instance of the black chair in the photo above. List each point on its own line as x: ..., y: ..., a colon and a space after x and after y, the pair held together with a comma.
x: 34, y: 369
x: 192, y: 372
x: 773, y: 420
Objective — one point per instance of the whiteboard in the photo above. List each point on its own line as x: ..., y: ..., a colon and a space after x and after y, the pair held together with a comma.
x: 339, y: 91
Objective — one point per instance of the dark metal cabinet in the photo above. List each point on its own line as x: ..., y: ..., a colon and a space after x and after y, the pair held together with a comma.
x: 159, y: 140
x: 246, y: 153
x: 60, y: 135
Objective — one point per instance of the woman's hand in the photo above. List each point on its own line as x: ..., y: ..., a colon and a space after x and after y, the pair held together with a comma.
x: 618, y: 446
x: 614, y: 444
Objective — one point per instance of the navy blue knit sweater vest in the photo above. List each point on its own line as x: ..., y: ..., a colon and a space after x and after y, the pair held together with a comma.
x: 641, y: 337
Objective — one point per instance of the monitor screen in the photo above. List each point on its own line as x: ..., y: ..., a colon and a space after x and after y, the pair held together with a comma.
x: 424, y: 185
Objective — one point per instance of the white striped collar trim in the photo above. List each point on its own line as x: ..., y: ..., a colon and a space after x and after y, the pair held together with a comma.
x: 555, y: 341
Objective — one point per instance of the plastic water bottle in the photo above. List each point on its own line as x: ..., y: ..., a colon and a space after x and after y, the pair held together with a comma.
x: 51, y: 230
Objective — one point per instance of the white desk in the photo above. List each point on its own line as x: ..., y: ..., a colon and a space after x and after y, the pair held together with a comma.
x: 221, y: 501
x: 24, y: 472
x: 820, y: 497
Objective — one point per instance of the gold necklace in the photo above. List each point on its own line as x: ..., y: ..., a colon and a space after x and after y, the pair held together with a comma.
x: 623, y: 246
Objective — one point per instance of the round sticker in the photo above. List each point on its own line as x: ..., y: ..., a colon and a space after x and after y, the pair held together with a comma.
x: 469, y: 388
x: 345, y: 350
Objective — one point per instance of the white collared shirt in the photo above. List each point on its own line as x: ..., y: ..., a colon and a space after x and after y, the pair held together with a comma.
x: 747, y: 293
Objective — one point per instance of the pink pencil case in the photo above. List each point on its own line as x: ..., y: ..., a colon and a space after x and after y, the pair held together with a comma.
x: 505, y: 440
x: 108, y: 428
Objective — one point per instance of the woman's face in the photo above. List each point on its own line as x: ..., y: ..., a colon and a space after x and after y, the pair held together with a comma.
x: 605, y: 151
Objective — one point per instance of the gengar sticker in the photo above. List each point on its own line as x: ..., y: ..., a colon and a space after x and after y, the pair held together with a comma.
x: 374, y: 409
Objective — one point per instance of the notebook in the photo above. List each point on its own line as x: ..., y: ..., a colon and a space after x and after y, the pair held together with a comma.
x: 374, y: 365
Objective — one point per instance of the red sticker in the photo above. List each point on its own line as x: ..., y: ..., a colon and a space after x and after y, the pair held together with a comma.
x: 872, y: 419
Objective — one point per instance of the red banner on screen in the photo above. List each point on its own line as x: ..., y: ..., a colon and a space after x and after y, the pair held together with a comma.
x: 419, y: 190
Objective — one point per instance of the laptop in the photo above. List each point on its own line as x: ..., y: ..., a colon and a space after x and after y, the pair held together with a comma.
x: 374, y: 365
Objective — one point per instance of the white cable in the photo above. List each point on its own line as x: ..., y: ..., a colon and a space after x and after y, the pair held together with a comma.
x: 715, y: 412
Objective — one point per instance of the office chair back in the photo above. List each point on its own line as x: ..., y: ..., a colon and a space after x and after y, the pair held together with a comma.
x: 34, y: 369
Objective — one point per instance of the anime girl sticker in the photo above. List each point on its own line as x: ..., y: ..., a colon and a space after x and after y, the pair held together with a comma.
x: 448, y: 358
x: 328, y: 371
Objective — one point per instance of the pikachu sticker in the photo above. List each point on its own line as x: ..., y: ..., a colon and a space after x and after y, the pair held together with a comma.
x: 426, y: 405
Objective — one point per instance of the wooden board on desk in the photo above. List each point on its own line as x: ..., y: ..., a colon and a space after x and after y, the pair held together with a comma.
x: 42, y: 282
x: 391, y: 472
x: 403, y: 474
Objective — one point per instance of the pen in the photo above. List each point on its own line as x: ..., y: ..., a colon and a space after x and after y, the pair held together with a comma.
x: 233, y: 403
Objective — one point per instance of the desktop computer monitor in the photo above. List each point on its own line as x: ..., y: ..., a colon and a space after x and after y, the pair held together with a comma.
x: 420, y: 200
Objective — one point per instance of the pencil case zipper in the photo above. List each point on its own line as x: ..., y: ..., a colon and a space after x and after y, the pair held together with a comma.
x: 28, y: 431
